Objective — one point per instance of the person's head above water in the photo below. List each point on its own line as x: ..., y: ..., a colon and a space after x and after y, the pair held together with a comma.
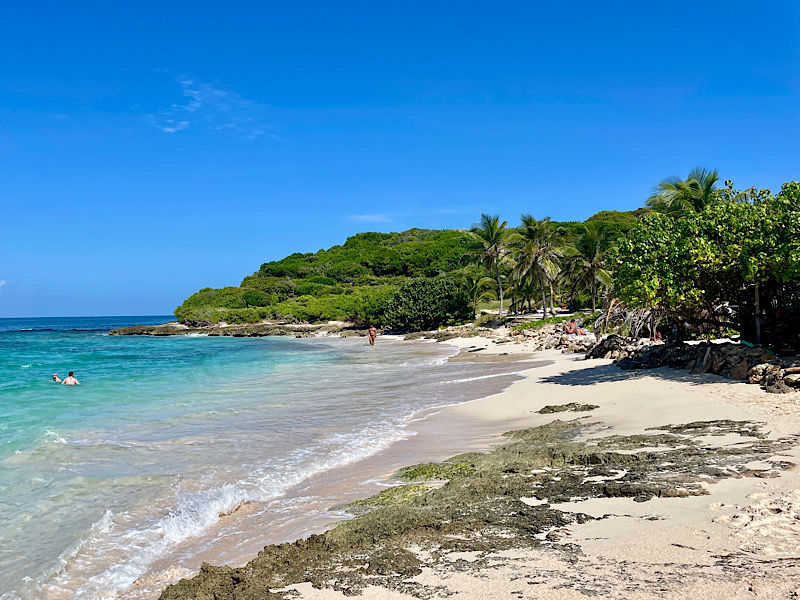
x: 71, y: 373
x: 55, y: 375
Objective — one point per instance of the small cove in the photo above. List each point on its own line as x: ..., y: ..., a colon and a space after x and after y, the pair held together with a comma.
x: 182, y: 449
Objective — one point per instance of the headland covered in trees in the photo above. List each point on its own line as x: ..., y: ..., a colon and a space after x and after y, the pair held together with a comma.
x: 357, y: 280
x: 699, y: 258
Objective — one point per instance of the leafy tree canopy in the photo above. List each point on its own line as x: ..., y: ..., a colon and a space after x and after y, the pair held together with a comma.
x: 702, y: 267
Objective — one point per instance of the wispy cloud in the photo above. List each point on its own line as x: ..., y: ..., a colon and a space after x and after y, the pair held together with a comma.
x: 377, y: 218
x: 2, y: 283
x: 210, y: 107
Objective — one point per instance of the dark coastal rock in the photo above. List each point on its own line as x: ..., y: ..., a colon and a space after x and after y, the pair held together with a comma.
x: 729, y: 360
x: 196, y: 324
x: 353, y: 332
x: 552, y: 337
x: 243, y: 330
x: 439, y: 336
x: 156, y: 330
x: 416, y: 335
x: 482, y: 507
x: 572, y: 407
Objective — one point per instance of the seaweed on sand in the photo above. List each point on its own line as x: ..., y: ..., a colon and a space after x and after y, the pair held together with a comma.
x: 481, y: 508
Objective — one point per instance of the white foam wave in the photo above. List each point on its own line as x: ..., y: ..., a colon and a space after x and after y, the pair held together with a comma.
x: 467, y: 379
x: 55, y: 437
x: 192, y: 514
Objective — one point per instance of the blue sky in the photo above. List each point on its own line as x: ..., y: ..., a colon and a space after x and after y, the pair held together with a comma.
x: 151, y: 149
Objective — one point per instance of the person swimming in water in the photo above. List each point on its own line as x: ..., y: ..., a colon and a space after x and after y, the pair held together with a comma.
x: 70, y: 380
x: 56, y: 378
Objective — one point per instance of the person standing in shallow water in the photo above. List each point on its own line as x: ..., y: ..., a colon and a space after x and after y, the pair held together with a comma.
x: 372, y: 333
x: 70, y: 380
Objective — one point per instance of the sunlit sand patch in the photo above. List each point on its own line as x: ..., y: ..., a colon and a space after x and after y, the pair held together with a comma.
x: 769, y: 527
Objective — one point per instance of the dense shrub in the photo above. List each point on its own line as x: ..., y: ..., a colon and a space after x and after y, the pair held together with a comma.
x: 426, y: 304
x: 258, y: 298
x: 361, y: 306
x: 203, y: 313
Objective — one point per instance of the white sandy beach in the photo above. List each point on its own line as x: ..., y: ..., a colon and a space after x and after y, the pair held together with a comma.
x: 742, y: 540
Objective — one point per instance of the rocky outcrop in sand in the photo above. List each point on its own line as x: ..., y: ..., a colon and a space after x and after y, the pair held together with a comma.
x: 552, y: 337
x: 490, y: 502
x: 730, y: 360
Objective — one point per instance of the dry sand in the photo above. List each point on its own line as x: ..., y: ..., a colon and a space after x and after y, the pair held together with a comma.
x: 742, y: 540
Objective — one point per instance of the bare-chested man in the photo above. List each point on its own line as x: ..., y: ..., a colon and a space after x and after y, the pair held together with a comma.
x: 70, y: 380
x: 372, y: 333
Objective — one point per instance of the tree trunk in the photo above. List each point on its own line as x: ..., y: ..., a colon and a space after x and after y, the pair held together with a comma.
x: 552, y: 312
x: 500, y: 287
x: 594, y: 296
x: 544, y: 298
x: 758, y: 317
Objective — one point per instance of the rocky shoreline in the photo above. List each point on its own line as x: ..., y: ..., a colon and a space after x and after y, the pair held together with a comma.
x: 485, y: 503
x: 244, y: 330
x: 730, y: 360
x: 737, y: 361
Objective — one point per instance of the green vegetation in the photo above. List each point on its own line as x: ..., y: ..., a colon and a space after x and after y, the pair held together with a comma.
x: 367, y: 279
x: 352, y: 282
x: 492, y: 236
x: 734, y: 263
x: 435, y: 471
x: 543, y: 263
x: 705, y: 258
x: 426, y: 304
x: 399, y: 495
x: 587, y: 319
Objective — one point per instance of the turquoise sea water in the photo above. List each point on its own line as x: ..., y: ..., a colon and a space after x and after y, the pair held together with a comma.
x: 105, y: 483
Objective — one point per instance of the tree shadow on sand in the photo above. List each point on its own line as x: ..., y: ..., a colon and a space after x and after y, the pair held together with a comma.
x: 612, y: 373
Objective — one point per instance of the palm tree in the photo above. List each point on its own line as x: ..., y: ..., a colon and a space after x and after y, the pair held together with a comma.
x: 475, y: 287
x: 587, y: 267
x: 677, y: 196
x: 527, y: 288
x: 538, y: 254
x: 493, y: 236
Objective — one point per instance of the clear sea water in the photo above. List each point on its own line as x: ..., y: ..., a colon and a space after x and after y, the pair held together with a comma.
x: 103, y: 485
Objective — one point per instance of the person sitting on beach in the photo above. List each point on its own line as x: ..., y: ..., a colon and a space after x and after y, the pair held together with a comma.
x: 372, y: 333
x: 56, y: 378
x: 580, y: 330
x: 70, y: 380
x: 571, y: 327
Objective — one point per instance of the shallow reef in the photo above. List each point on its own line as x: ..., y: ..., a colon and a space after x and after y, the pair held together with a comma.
x: 486, y: 502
